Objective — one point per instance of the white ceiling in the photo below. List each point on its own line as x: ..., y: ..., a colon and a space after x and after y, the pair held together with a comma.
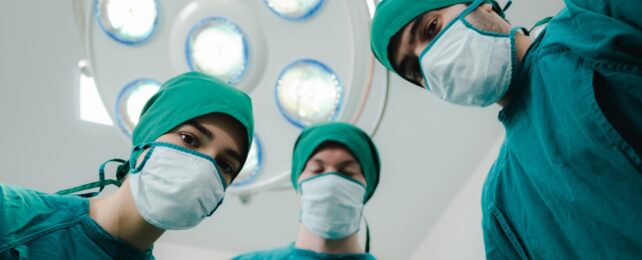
x: 428, y: 148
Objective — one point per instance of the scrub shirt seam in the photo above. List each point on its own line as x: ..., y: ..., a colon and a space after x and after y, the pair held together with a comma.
x: 38, y: 234
x: 113, y: 241
x: 613, y: 137
x: 532, y: 55
x: 508, y: 232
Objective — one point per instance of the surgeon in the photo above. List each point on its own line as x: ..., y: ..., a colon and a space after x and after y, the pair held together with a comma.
x: 191, y: 141
x: 568, y: 180
x: 335, y: 171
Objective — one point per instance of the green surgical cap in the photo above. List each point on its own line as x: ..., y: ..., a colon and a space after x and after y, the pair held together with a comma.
x: 353, y: 138
x: 188, y: 96
x: 393, y: 15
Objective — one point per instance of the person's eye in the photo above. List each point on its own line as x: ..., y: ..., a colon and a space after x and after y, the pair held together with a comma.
x: 431, y: 30
x: 314, y: 168
x: 349, y: 171
x: 227, y: 168
x: 189, y: 139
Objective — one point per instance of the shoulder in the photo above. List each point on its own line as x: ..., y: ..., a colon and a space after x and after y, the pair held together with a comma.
x: 270, y: 254
x: 25, y: 212
x: 615, y: 34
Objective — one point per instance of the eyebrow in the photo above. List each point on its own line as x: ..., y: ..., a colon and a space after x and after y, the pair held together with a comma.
x: 413, y: 28
x: 403, y: 65
x: 200, y: 128
x: 341, y: 164
x: 347, y: 163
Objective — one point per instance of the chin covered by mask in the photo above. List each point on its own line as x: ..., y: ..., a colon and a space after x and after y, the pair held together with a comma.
x: 175, y: 187
x: 332, y: 203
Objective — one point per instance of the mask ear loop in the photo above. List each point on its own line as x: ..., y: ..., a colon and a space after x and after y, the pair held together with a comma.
x: 545, y: 20
x: 122, y: 171
x: 101, y: 183
x: 507, y: 5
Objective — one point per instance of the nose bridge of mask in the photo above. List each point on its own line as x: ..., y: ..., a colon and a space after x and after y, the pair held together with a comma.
x: 174, y: 187
x: 333, y: 182
x: 195, y: 156
x: 332, y: 205
x: 468, y: 66
x: 445, y: 31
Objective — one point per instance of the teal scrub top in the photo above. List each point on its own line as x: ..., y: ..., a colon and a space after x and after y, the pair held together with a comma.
x: 35, y: 225
x: 292, y: 253
x: 567, y: 183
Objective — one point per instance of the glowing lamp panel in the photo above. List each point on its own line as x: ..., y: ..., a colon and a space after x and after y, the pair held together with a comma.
x: 294, y: 9
x: 129, y: 22
x: 218, y: 47
x: 252, y: 166
x: 308, y: 92
x: 131, y: 101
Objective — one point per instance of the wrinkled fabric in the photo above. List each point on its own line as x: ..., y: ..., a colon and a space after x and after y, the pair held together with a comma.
x: 393, y: 15
x: 33, y: 225
x: 293, y: 253
x: 568, y: 179
x: 353, y: 138
x: 188, y: 96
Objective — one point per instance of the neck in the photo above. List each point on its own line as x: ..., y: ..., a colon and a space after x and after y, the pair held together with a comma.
x: 117, y: 214
x: 522, y: 42
x: 310, y: 241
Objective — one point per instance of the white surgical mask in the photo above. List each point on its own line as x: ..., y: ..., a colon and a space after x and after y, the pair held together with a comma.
x: 174, y: 187
x: 331, y: 205
x: 467, y: 66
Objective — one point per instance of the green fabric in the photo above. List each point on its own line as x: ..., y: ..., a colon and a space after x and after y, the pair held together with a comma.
x: 35, y: 225
x: 393, y: 15
x: 568, y: 180
x: 191, y: 95
x: 293, y: 253
x: 353, y: 138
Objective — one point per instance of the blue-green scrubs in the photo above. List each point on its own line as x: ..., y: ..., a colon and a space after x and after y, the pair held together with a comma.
x: 568, y: 180
x: 293, y: 253
x: 35, y: 225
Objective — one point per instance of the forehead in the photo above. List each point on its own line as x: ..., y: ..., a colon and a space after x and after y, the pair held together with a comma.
x: 400, y: 44
x: 231, y: 128
x: 331, y: 152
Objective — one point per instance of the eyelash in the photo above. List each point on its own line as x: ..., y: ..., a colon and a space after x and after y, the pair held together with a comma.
x: 224, y: 165
x: 415, y: 73
x: 431, y: 26
x: 185, y: 135
x: 227, y: 168
x: 320, y: 169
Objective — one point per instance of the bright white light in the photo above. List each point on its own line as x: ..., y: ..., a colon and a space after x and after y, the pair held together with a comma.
x: 294, y: 9
x: 308, y: 92
x: 92, y: 108
x: 128, y: 21
x: 217, y: 47
x: 252, y: 165
x: 131, y: 101
x: 371, y: 7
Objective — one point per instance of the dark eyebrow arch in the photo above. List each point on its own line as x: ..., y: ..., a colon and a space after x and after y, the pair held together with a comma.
x: 318, y: 161
x: 347, y: 163
x: 413, y: 28
x: 200, y: 128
